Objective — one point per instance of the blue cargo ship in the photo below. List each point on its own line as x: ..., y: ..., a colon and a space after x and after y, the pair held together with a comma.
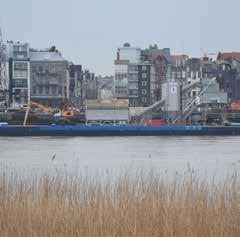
x: 116, y: 130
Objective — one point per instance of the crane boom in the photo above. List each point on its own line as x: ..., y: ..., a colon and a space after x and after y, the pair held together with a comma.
x: 30, y: 104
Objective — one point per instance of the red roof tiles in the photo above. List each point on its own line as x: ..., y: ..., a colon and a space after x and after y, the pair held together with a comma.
x: 227, y: 56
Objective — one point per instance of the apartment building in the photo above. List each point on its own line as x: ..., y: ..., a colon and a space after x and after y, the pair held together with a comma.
x: 19, y: 72
x: 49, y: 78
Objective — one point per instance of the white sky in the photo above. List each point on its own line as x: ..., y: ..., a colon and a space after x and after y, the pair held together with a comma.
x: 88, y: 32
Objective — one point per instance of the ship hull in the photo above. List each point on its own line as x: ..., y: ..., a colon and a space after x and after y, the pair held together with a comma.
x: 118, y: 130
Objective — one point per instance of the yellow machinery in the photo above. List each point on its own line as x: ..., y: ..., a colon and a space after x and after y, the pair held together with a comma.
x: 57, y: 113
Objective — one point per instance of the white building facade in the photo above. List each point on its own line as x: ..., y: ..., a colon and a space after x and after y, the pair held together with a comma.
x: 126, y: 55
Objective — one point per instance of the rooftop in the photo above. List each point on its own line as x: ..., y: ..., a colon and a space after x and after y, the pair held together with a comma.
x: 46, y: 56
x: 179, y: 57
x: 229, y: 55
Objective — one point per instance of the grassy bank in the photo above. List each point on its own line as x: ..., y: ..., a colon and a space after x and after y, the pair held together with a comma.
x: 143, y: 205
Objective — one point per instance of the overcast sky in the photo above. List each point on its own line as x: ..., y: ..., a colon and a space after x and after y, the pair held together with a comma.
x: 88, y: 32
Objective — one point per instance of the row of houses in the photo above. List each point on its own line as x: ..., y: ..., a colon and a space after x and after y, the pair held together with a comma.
x: 45, y: 76
x: 139, y: 73
x: 226, y: 70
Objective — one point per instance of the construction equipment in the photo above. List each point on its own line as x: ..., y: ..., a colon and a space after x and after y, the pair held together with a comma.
x: 56, y: 112
x: 150, y: 109
x: 194, y: 103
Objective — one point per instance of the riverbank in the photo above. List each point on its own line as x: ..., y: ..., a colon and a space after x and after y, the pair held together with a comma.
x: 128, y: 205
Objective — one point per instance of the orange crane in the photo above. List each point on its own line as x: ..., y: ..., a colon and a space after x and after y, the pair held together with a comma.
x: 57, y: 113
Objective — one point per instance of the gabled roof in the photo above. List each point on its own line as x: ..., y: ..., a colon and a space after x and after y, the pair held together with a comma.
x: 228, y: 56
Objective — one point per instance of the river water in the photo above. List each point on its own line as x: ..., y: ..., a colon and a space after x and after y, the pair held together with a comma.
x: 206, y: 155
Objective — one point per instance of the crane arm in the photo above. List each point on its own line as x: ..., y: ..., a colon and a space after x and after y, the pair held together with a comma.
x: 26, y: 114
x: 31, y: 104
x: 40, y: 106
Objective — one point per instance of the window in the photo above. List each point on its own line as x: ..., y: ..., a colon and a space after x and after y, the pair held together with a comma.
x: 53, y: 70
x: 23, y: 48
x: 144, y: 68
x: 17, y: 74
x: 20, y: 65
x: 124, y: 76
x: 144, y: 75
x: 54, y: 89
x: 121, y: 76
x: 133, y: 68
x: 175, y: 75
x: 20, y: 69
x: 144, y: 92
x: 144, y: 99
x: 19, y: 48
x: 60, y: 90
x: 24, y: 74
x: 194, y: 74
x: 40, y: 69
x: 144, y: 83
x: 40, y: 90
x: 34, y: 90
x: 20, y: 83
x: 47, y: 90
x: 133, y: 77
x: 133, y: 92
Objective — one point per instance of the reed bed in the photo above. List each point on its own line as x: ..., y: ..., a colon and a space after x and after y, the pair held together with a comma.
x: 128, y: 205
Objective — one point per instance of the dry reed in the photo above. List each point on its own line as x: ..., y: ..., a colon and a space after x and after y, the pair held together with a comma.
x: 139, y: 205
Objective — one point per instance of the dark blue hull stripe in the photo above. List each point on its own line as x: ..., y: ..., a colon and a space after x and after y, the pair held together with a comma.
x: 121, y: 130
